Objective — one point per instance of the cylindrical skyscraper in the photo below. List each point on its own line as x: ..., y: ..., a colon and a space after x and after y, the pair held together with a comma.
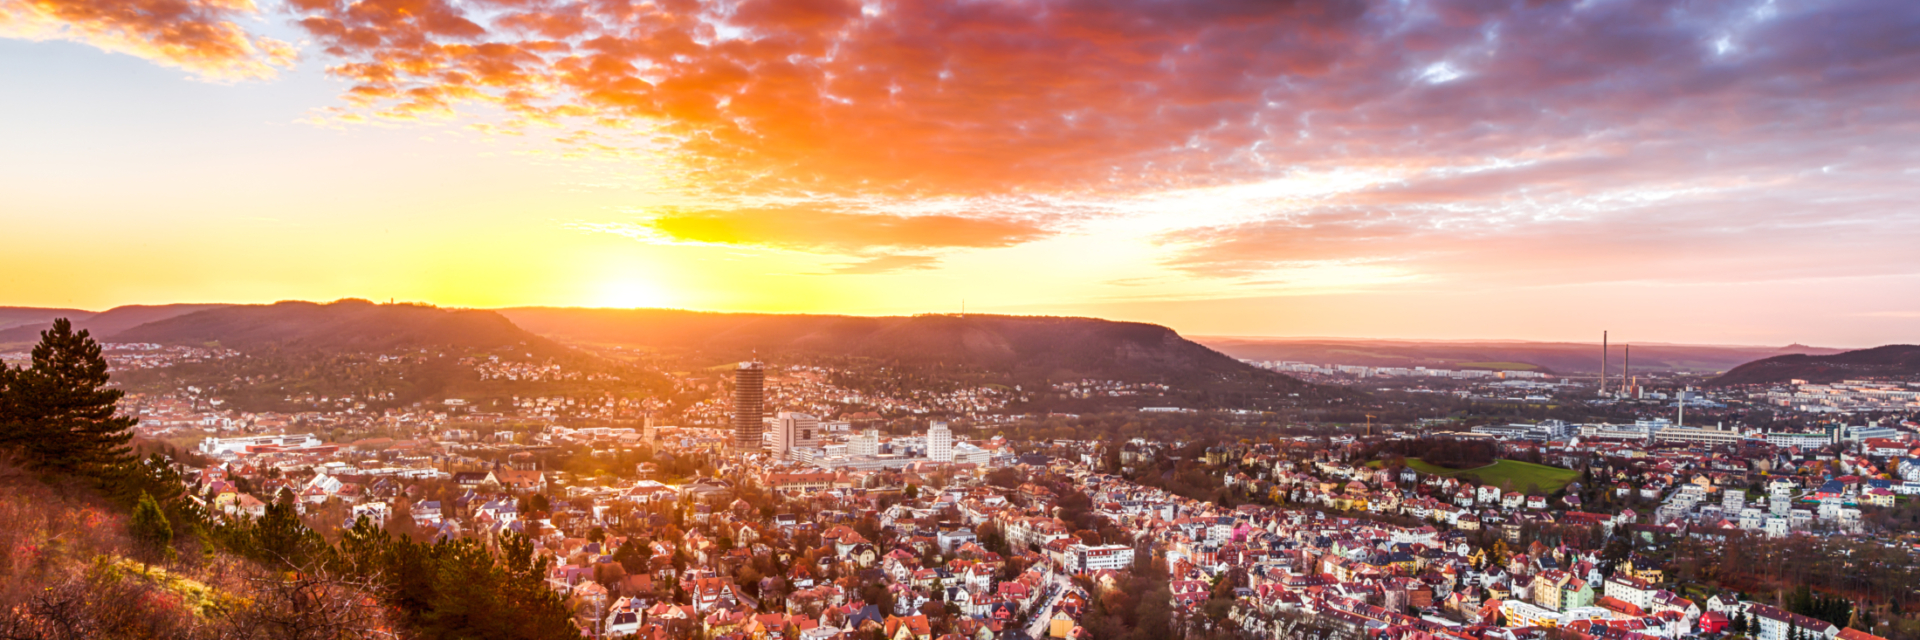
x: 749, y: 397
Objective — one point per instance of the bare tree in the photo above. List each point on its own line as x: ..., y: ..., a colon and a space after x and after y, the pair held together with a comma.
x: 98, y: 606
x: 311, y: 603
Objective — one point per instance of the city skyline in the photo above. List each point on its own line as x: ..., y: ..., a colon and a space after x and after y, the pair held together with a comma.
x: 1740, y: 173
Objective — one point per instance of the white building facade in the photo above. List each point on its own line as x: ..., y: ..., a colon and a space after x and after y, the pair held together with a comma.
x: 793, y: 430
x: 939, y: 443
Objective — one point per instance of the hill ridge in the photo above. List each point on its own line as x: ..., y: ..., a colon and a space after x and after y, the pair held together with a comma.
x: 1026, y: 346
x: 107, y: 323
x: 1886, y: 361
x: 348, y: 325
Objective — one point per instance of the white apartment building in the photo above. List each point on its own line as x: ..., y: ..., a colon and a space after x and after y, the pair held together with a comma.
x: 1806, y: 440
x: 1087, y: 559
x: 1776, y: 624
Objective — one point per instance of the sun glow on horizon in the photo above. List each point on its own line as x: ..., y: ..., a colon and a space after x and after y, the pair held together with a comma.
x: 631, y: 294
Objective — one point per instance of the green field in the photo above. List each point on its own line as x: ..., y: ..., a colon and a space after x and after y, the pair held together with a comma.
x: 1548, y: 479
x: 1497, y: 366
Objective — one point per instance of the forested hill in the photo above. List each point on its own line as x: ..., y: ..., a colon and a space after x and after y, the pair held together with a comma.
x: 1025, y: 346
x: 100, y: 325
x: 345, y: 325
x: 1892, y: 361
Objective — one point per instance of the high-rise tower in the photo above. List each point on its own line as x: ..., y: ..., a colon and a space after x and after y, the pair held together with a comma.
x: 749, y: 397
x: 939, y: 443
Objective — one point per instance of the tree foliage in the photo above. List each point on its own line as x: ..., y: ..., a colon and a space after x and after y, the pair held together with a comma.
x: 151, y: 532
x: 1836, y: 610
x: 57, y: 415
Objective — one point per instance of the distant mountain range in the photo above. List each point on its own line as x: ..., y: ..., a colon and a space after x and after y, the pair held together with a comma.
x: 1022, y: 346
x: 100, y: 325
x: 13, y: 317
x: 1891, y: 361
x: 1566, y: 358
x: 344, y: 325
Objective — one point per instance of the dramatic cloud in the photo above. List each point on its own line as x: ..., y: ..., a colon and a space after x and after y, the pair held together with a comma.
x: 200, y: 36
x: 910, y: 96
x: 990, y: 96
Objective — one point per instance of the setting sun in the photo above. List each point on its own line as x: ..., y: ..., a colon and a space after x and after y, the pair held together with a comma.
x: 630, y: 294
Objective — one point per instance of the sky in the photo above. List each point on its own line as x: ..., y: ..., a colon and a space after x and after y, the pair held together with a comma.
x: 1727, y: 172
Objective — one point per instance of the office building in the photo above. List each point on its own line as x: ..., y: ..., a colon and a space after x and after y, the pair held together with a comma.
x: 1545, y: 431
x: 939, y: 443
x: 865, y: 444
x: 1696, y: 435
x: 792, y: 431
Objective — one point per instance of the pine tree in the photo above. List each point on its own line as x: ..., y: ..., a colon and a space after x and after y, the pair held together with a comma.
x: 401, y: 523
x: 57, y: 415
x: 150, y: 529
x: 280, y: 539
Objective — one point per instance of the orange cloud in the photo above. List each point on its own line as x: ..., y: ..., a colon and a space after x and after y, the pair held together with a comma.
x: 832, y: 96
x: 807, y: 229
x: 197, y: 35
x: 913, y: 98
x: 886, y: 264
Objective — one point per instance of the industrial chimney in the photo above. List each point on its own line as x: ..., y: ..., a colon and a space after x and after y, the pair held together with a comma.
x: 1603, y: 363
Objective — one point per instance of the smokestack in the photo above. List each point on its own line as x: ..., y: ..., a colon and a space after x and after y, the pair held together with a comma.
x: 1603, y: 363
x: 1626, y: 369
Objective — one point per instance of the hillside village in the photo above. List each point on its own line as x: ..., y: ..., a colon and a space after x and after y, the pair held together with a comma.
x: 869, y: 519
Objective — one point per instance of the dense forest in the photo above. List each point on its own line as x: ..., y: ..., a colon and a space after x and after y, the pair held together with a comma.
x: 276, y: 379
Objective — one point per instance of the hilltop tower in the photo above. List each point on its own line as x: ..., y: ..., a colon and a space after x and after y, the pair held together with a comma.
x: 749, y: 398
